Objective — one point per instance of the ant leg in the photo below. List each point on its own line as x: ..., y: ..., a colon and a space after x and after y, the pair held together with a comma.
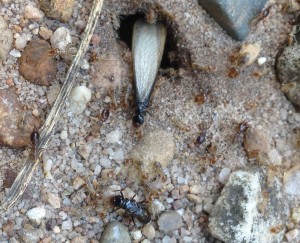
x: 133, y: 197
x: 115, y: 209
x: 133, y: 221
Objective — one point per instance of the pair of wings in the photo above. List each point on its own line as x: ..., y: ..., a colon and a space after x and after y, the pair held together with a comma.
x: 147, y: 47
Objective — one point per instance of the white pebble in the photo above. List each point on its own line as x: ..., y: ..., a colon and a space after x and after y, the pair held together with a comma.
x: 79, y: 98
x: 224, y: 175
x: 136, y: 235
x: 195, y: 189
x: 61, y: 38
x: 105, y: 162
x: 47, y: 165
x: 292, y: 234
x: 85, y: 64
x: 114, y: 136
x: 63, y: 215
x: 261, y: 60
x: 15, y: 53
x: 97, y: 170
x: 157, y: 207
x: 56, y: 229
x: 180, y: 211
x: 64, y: 135
x: 36, y: 214
x: 20, y: 42
x: 291, y: 181
x: 36, y: 112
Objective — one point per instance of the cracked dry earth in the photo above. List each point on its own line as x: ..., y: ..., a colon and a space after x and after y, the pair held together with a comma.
x: 90, y: 157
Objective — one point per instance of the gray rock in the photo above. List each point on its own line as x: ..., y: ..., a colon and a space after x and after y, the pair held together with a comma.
x: 288, y: 72
x: 36, y: 214
x: 115, y: 232
x: 31, y: 236
x: 169, y: 221
x: 234, y: 16
x: 251, y: 208
x: 6, y: 40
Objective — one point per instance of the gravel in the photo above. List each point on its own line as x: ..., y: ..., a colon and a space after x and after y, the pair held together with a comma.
x: 177, y: 174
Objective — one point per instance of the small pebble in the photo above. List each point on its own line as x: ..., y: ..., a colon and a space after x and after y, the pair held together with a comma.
x: 58, y: 9
x: 195, y: 189
x: 15, y: 53
x: 85, y: 64
x: 45, y: 33
x: 114, y: 136
x: 169, y: 221
x: 33, y: 13
x: 136, y: 235
x: 20, y: 42
x: 292, y: 235
x: 157, y: 207
x: 80, y: 239
x: 47, y: 165
x: 67, y: 225
x: 6, y: 39
x: 79, y: 98
x: 115, y: 232
x: 36, y: 214
x: 224, y: 175
x: 261, y: 60
x: 56, y: 229
x: 149, y: 231
x: 296, y: 215
x: 78, y: 182
x: 36, y: 112
x: 53, y: 200
x: 61, y: 38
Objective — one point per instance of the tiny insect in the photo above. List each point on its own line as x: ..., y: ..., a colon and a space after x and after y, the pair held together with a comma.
x: 104, y: 114
x: 233, y: 72
x: 241, y: 128
x: 262, y: 15
x: 34, y: 138
x: 131, y: 207
x: 201, y: 138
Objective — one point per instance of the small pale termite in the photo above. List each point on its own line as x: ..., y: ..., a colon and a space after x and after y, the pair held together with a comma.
x: 147, y: 47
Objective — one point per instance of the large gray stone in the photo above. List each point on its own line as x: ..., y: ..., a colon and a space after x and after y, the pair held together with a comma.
x: 234, y: 16
x: 251, y: 208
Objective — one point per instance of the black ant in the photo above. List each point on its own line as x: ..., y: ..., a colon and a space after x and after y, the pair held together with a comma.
x: 131, y: 207
x: 34, y: 138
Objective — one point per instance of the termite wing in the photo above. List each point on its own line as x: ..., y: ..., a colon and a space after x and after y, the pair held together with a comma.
x: 147, y: 47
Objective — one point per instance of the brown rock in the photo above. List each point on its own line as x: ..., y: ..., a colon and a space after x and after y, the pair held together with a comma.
x: 256, y: 144
x: 36, y: 65
x: 57, y: 9
x: 16, y: 124
x: 8, y: 227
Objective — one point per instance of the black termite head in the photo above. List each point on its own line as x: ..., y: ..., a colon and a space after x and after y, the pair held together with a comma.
x: 116, y: 201
x: 138, y: 118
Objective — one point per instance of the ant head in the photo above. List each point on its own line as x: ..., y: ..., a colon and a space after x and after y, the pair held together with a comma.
x: 116, y: 201
x: 138, y: 119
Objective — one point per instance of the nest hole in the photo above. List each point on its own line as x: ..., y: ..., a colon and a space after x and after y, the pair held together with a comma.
x: 172, y: 56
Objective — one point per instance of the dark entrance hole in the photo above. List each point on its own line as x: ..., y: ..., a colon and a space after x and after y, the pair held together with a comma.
x: 171, y: 57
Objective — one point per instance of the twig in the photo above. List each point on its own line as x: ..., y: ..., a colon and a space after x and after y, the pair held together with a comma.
x: 25, y: 175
